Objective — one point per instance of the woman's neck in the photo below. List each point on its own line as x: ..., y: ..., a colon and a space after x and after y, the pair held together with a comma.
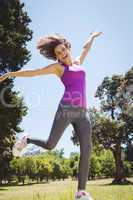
x: 68, y: 63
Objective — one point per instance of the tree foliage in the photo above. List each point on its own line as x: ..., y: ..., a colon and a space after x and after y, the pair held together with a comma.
x: 113, y: 127
x: 14, y: 34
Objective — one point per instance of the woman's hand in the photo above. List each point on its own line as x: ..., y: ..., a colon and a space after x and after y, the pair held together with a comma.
x: 95, y: 34
x: 5, y: 76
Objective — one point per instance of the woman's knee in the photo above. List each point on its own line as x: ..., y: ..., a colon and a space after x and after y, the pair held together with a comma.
x: 50, y: 145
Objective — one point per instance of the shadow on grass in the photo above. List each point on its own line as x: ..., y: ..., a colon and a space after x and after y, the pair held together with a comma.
x: 126, y: 183
x: 112, y: 184
x: 34, y: 183
x: 3, y: 189
x: 20, y: 185
x: 99, y: 182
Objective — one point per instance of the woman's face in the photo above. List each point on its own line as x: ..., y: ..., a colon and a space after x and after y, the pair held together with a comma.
x: 63, y: 54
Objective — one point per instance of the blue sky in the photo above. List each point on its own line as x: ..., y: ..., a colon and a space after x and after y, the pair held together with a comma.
x: 110, y: 54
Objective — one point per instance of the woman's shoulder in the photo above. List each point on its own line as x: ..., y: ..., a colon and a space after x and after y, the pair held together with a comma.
x: 59, y: 68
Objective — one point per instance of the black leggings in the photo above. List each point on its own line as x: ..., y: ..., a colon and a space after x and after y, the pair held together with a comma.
x: 80, y: 121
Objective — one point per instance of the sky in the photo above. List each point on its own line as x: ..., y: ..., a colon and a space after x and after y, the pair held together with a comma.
x: 111, y: 53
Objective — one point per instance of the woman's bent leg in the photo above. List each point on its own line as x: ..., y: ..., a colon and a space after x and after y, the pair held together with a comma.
x: 59, y: 125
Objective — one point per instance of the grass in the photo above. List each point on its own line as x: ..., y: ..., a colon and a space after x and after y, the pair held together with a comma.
x: 64, y: 190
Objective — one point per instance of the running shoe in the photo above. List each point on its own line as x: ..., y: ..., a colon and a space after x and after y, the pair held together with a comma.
x: 19, y: 146
x: 82, y: 195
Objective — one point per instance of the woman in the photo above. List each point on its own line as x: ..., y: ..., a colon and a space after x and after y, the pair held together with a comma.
x: 72, y: 107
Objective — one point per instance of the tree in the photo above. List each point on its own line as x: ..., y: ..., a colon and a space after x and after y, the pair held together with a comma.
x: 107, y: 163
x: 30, y: 167
x: 44, y: 169
x: 95, y: 167
x: 66, y: 170
x: 74, y: 162
x: 115, y: 128
x: 10, y: 119
x: 14, y: 34
x: 129, y: 151
x: 18, y: 168
x: 102, y: 163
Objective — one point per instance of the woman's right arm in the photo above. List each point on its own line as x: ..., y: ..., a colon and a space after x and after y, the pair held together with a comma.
x: 50, y: 69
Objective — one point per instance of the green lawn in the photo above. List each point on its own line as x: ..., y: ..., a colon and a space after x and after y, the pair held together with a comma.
x: 64, y: 190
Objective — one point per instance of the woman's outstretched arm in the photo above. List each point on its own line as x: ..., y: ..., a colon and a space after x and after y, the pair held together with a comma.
x: 50, y: 69
x: 87, y: 47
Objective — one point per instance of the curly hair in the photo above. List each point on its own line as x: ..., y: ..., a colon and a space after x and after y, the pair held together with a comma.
x: 46, y: 45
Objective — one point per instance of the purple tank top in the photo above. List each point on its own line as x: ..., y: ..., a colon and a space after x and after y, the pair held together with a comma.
x: 74, y: 80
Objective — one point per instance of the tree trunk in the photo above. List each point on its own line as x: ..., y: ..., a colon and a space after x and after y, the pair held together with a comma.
x: 119, y: 173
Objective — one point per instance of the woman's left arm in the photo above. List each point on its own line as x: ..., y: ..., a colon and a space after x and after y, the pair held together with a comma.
x: 79, y: 60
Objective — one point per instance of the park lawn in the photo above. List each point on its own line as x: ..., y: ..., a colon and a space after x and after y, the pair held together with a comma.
x: 64, y: 190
